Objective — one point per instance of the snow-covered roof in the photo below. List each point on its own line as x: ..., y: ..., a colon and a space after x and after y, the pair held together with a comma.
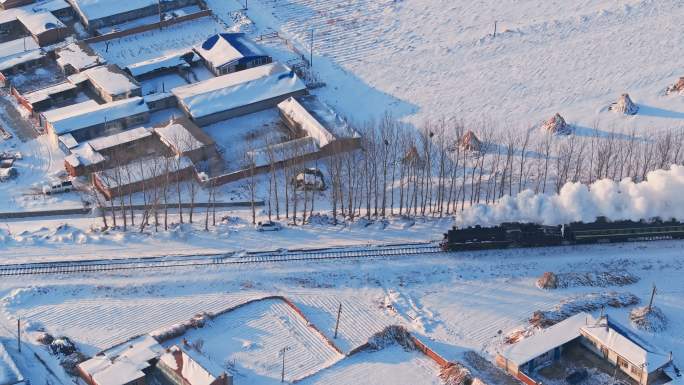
x: 124, y: 363
x: 89, y: 113
x: 238, y: 89
x: 79, y: 55
x: 88, y: 153
x: 9, y: 373
x: 68, y: 141
x: 19, y: 51
x: 627, y: 345
x: 44, y: 93
x: 111, y: 79
x: 98, y: 9
x: 13, y: 14
x: 158, y: 63
x: 182, y: 135
x: 317, y: 119
x: 40, y: 22
x: 225, y: 48
x: 194, y: 368
x: 547, y: 339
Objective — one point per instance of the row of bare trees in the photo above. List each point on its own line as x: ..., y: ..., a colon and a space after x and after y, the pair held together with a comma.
x: 437, y: 170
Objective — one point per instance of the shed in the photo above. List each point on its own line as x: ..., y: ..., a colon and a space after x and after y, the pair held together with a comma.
x: 225, y: 53
x: 238, y: 93
x: 306, y: 115
x: 45, y: 98
x: 20, y: 54
x: 45, y: 28
x: 77, y: 57
x: 7, y: 4
x: 111, y: 83
x: 100, y: 13
x: 166, y: 63
x: 89, y: 120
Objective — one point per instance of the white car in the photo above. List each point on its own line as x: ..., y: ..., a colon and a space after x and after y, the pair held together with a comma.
x: 58, y: 187
x: 268, y: 226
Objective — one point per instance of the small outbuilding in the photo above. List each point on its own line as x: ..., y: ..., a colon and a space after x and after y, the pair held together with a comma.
x: 185, y: 138
x: 225, y: 53
x: 77, y: 57
x: 183, y: 367
x: 45, y: 28
x: 111, y: 83
x: 20, y: 55
x: 126, y: 364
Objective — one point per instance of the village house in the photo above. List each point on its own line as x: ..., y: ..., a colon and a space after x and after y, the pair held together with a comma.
x: 602, y: 338
x: 238, y: 93
x: 225, y: 53
x: 89, y: 119
x: 108, y: 151
x: 110, y: 83
x: 7, y: 4
x: 125, y: 364
x: 183, y: 367
x: 162, y: 64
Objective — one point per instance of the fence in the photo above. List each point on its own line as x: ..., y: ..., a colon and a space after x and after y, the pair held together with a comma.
x: 148, y: 27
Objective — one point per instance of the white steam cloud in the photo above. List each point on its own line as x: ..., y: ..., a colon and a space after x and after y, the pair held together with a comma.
x: 660, y: 195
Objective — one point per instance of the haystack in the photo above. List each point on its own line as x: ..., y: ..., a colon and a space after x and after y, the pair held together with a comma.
x: 556, y: 125
x: 678, y: 87
x: 625, y: 105
x: 470, y: 142
x: 650, y: 319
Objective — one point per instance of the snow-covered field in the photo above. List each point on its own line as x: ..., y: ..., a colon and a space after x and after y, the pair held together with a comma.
x: 438, y: 59
x: 455, y: 302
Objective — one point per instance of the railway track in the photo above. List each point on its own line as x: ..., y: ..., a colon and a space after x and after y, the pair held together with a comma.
x: 233, y: 258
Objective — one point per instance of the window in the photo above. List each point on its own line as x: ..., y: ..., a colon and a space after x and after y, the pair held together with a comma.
x: 635, y: 370
x: 622, y: 363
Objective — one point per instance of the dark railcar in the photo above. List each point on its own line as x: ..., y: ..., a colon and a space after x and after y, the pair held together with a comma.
x: 603, y: 231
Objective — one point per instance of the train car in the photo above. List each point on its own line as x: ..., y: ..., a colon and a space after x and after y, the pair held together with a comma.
x: 603, y: 231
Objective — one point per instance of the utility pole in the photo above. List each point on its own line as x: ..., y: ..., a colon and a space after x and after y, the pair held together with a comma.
x: 311, y: 49
x: 495, y: 28
x: 653, y: 293
x: 159, y: 10
x: 337, y: 323
x: 245, y: 5
x: 19, y: 334
x: 282, y: 372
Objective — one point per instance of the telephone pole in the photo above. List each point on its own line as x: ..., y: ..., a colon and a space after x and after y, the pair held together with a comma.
x: 19, y: 334
x: 495, y: 28
x: 282, y: 372
x: 653, y: 293
x: 311, y: 49
x: 337, y: 323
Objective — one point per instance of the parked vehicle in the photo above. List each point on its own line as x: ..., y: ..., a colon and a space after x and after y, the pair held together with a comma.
x: 310, y: 179
x: 8, y: 173
x: 6, y: 163
x: 58, y: 187
x: 268, y: 226
x: 509, y: 235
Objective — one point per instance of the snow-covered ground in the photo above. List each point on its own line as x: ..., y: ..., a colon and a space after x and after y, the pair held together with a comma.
x: 438, y: 59
x: 455, y: 302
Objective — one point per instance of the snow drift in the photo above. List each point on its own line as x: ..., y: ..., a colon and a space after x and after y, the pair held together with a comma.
x: 658, y: 196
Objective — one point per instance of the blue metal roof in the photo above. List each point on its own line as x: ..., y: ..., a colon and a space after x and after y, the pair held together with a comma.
x: 239, y: 41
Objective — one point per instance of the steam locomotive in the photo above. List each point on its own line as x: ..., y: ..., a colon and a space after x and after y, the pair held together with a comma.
x: 509, y: 235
